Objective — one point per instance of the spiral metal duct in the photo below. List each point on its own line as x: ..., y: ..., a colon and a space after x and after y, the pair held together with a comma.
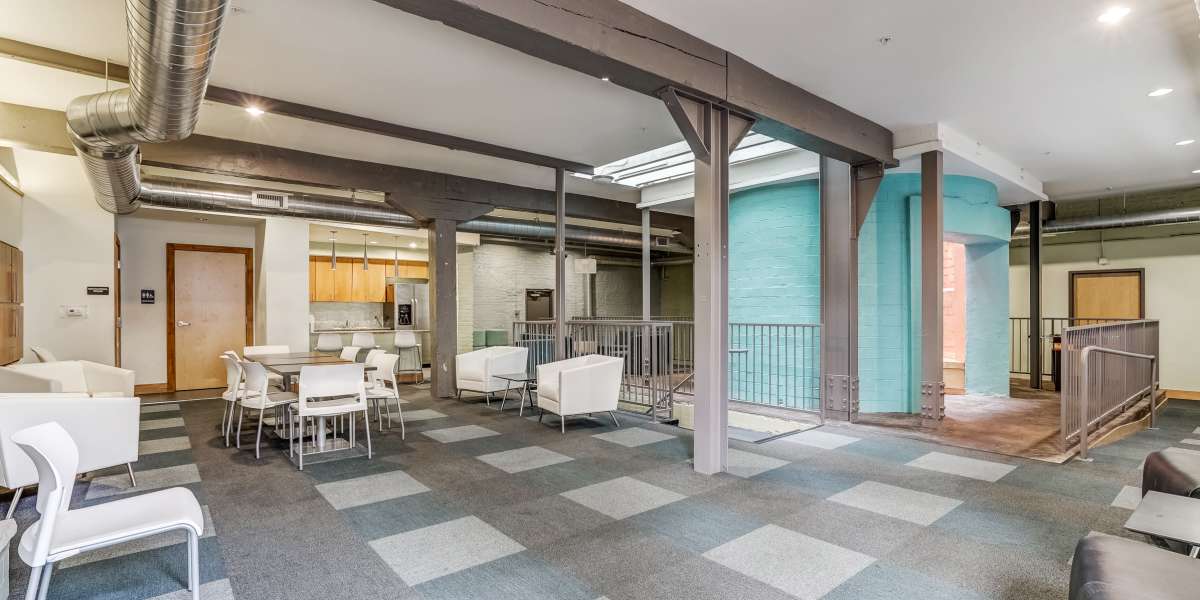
x: 171, y: 49
x: 1140, y: 219
x: 241, y: 200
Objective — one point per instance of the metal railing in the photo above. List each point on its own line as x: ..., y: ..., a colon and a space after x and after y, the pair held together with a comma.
x: 769, y: 364
x: 776, y: 365
x: 1106, y: 369
x: 1018, y: 336
x: 647, y: 348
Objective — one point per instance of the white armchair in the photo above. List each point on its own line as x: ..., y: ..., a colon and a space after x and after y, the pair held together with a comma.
x: 580, y: 386
x: 474, y: 371
x: 67, y: 377
x: 105, y: 428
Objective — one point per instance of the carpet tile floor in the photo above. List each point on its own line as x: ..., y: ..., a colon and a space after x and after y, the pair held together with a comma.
x: 479, y: 503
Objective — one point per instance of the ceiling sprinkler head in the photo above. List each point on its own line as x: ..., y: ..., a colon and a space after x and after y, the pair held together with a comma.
x: 885, y: 40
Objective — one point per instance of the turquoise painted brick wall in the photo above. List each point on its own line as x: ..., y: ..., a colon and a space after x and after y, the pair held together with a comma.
x: 774, y: 277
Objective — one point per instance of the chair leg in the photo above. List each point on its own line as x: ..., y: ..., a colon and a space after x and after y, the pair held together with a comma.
x: 193, y: 563
x: 258, y: 438
x: 12, y: 507
x: 562, y: 420
x: 378, y: 417
x: 228, y: 423
x: 614, y: 418
x: 366, y: 428
x: 35, y: 579
x: 241, y: 413
x: 459, y: 396
x: 44, y: 584
x: 132, y: 480
x: 400, y: 412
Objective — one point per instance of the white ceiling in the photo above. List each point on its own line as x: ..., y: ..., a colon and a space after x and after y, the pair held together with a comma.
x: 1023, y: 77
x: 369, y: 60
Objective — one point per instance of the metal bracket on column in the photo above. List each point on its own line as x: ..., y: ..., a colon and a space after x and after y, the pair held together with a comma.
x: 854, y: 406
x: 933, y: 400
x: 866, y: 179
x: 688, y: 114
x: 838, y: 392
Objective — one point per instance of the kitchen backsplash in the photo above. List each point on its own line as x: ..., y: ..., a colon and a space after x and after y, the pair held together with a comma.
x: 336, y: 315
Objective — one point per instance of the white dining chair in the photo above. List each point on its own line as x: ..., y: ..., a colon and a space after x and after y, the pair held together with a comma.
x: 329, y: 342
x: 318, y: 384
x: 350, y: 353
x: 363, y: 340
x: 371, y: 355
x: 43, y: 354
x: 256, y: 395
x: 383, y: 388
x: 61, y: 533
x: 409, y: 348
x: 233, y: 390
x: 252, y: 351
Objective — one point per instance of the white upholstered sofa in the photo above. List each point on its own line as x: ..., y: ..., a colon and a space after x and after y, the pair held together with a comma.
x: 580, y: 386
x: 475, y: 371
x: 105, y: 428
x: 67, y: 376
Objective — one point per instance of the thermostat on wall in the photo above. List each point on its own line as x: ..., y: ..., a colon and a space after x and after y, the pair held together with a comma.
x: 74, y: 311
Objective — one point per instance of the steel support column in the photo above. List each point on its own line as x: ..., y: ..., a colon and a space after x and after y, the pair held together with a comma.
x: 713, y: 131
x: 839, y: 292
x: 933, y: 389
x: 1035, y: 295
x: 646, y: 264
x: 560, y: 264
x: 443, y: 260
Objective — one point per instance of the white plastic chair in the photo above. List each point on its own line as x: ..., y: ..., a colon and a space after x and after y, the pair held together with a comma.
x: 329, y: 342
x: 62, y: 533
x: 42, y: 354
x: 255, y: 396
x: 363, y: 340
x: 350, y: 352
x: 233, y: 390
x: 372, y: 354
x: 252, y: 351
x: 409, y: 347
x: 378, y: 390
x: 319, y: 382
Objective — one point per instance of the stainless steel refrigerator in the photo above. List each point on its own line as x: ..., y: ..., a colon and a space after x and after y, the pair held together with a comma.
x: 411, y: 310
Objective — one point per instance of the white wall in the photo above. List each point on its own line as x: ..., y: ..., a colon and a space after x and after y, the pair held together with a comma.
x: 282, y: 282
x: 503, y: 272
x: 144, y: 266
x: 1172, y: 289
x: 10, y: 203
x: 67, y: 240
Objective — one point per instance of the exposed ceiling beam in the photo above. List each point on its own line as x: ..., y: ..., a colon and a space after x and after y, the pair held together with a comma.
x: 46, y: 130
x: 606, y: 38
x: 116, y: 72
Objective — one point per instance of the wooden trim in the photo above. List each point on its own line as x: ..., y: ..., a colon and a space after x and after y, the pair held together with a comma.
x: 151, y: 388
x: 374, y: 261
x: 1141, y: 273
x: 1183, y: 395
x: 171, y: 249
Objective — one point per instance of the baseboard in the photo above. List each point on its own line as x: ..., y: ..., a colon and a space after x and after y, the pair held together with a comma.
x: 151, y: 388
x: 1183, y: 395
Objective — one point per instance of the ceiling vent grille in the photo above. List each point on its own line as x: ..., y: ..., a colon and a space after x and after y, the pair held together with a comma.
x: 266, y: 199
x: 660, y: 242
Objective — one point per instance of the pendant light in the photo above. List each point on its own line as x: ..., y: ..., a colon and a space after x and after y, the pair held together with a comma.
x: 333, y: 252
x: 365, y: 251
x: 396, y: 257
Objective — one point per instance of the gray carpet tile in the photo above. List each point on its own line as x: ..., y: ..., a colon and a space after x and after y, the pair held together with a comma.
x: 542, y: 521
x: 855, y: 529
x: 887, y: 582
x: 170, y: 444
x: 521, y: 575
x: 974, y: 468
x: 432, y: 552
x: 368, y: 489
x: 389, y: 517
x: 523, y: 459
x: 622, y: 497
x: 112, y: 485
x: 696, y: 524
x: 892, y: 501
x: 797, y: 564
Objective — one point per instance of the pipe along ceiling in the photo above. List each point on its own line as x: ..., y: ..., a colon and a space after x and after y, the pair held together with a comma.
x: 1139, y: 219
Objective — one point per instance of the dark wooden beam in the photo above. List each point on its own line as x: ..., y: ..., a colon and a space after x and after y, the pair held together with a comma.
x: 120, y: 73
x: 270, y: 163
x: 607, y: 38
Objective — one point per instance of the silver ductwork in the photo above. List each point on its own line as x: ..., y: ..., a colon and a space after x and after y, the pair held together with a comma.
x: 1140, y: 219
x: 249, y: 201
x: 171, y: 49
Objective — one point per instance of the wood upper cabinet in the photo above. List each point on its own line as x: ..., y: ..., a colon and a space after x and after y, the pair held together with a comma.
x: 12, y: 345
x: 10, y: 274
x: 351, y: 283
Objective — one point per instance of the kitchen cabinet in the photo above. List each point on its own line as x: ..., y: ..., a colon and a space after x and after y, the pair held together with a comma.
x: 12, y: 344
x: 11, y: 275
x: 351, y: 283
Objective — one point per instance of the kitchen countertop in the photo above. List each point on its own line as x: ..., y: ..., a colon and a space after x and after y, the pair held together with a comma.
x: 355, y: 330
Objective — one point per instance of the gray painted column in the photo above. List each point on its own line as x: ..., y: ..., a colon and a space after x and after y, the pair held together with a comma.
x: 560, y: 264
x: 443, y: 292
x: 933, y: 389
x: 1035, y: 295
x: 646, y: 264
x: 839, y: 292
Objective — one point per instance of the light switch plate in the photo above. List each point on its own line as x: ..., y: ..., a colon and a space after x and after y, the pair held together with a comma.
x: 77, y: 311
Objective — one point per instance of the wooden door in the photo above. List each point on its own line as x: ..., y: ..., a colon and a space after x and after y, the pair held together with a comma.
x: 210, y: 310
x: 1118, y: 294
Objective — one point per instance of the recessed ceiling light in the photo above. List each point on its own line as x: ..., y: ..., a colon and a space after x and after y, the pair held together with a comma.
x: 604, y: 78
x: 1196, y: 172
x: 1185, y: 142
x: 255, y: 111
x: 374, y: 242
x: 412, y: 244
x: 1113, y: 15
x: 1160, y: 92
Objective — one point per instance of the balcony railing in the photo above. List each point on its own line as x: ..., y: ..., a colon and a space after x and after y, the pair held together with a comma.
x: 1106, y: 369
x: 1018, y: 336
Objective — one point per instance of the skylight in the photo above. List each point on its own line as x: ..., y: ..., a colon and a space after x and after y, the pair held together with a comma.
x: 676, y: 161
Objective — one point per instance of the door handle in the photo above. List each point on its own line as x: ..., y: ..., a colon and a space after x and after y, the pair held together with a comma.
x: 182, y: 323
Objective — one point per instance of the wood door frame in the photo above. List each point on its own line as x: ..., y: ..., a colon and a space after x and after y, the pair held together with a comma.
x: 248, y: 253
x: 117, y: 323
x: 1072, y: 275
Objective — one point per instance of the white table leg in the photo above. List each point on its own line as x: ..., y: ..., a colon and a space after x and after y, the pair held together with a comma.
x: 321, y: 433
